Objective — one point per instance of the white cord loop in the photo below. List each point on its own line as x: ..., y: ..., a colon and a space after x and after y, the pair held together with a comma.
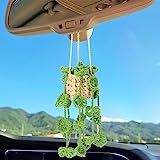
x: 70, y: 54
x: 78, y: 52
x: 89, y: 54
x: 78, y: 48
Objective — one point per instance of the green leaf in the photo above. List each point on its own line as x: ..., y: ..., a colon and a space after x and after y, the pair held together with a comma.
x: 94, y: 69
x: 93, y: 83
x: 81, y: 70
x: 64, y: 78
x: 80, y: 102
x: 88, y: 111
x: 96, y: 115
x: 68, y: 134
x: 65, y: 70
x: 63, y: 125
x: 79, y: 125
x: 63, y: 101
x: 78, y: 72
x: 89, y: 140
x: 62, y: 152
x: 81, y: 117
x: 81, y: 151
x: 70, y: 153
x: 96, y: 94
x: 100, y: 140
x: 80, y: 64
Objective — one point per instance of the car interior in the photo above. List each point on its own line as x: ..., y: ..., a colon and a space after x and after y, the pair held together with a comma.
x: 40, y: 148
x: 68, y: 17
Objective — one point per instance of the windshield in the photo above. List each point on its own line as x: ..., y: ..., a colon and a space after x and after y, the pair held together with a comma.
x: 127, y: 52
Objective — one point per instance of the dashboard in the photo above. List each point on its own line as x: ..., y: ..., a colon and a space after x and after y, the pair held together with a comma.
x: 42, y: 148
x: 51, y: 154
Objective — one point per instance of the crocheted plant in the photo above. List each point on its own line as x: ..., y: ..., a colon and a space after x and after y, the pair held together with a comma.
x: 81, y: 85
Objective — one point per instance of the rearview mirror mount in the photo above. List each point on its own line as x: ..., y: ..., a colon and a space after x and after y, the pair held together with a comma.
x: 27, y: 17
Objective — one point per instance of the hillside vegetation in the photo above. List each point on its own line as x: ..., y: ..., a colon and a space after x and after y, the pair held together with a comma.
x: 18, y: 122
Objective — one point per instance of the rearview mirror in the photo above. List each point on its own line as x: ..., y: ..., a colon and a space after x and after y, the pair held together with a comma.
x: 25, y: 17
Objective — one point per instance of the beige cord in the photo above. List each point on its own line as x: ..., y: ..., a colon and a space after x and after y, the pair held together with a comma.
x: 78, y: 48
x: 70, y: 54
x: 78, y: 52
x: 89, y: 54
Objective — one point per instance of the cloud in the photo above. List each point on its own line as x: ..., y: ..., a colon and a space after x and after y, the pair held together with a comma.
x: 108, y: 119
x: 121, y: 120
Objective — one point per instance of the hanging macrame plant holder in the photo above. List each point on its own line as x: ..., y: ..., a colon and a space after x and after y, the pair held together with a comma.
x: 82, y: 90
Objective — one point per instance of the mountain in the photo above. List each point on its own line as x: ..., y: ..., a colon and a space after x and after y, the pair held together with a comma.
x: 133, y: 130
x: 16, y: 121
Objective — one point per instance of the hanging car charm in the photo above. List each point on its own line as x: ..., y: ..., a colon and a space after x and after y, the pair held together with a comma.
x: 80, y: 87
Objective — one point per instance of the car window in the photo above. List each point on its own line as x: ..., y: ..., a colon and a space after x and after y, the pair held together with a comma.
x: 127, y: 52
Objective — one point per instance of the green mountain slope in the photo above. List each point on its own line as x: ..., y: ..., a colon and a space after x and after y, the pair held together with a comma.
x: 18, y: 121
x: 133, y: 131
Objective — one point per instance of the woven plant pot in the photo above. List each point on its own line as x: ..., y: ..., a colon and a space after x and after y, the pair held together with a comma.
x: 78, y: 86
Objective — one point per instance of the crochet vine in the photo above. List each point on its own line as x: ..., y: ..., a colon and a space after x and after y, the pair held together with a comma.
x: 81, y: 90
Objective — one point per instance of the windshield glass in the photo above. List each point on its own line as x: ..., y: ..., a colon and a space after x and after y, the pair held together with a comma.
x: 127, y: 52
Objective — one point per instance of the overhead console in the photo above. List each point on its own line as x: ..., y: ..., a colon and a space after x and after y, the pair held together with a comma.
x: 65, y: 16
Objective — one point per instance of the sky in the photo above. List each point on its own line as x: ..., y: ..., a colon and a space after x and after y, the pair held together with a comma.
x: 126, y: 50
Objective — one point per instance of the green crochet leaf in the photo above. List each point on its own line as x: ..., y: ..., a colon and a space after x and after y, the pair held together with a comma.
x: 81, y: 70
x: 88, y: 111
x: 78, y: 72
x: 63, y: 101
x: 65, y: 70
x: 93, y: 83
x: 81, y: 117
x: 80, y: 142
x: 100, y: 140
x: 62, y: 152
x: 84, y: 70
x: 80, y: 64
x: 68, y: 134
x: 63, y: 125
x: 70, y: 152
x: 64, y: 78
x: 89, y: 140
x: 96, y: 94
x: 96, y: 115
x: 81, y: 151
x: 79, y: 125
x: 83, y: 142
x: 94, y: 69
x: 97, y: 120
x: 80, y: 102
